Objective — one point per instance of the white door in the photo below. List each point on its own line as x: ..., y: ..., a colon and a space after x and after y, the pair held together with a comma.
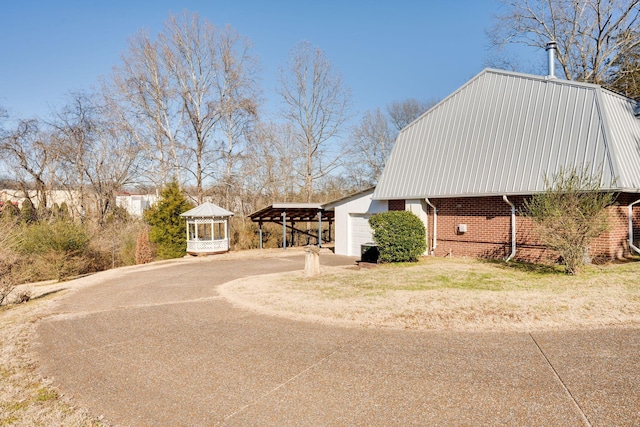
x: 360, y: 233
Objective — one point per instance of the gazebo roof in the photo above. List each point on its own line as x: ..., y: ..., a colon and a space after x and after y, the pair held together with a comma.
x: 207, y: 210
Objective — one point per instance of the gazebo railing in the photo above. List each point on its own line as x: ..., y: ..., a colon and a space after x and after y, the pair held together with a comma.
x: 207, y: 245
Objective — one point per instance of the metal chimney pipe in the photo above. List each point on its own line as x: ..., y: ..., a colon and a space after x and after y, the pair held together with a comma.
x: 551, y: 49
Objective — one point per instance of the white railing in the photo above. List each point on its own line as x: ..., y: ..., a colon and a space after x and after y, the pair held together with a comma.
x: 204, y: 246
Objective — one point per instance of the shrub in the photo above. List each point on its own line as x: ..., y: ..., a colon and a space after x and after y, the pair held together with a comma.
x: 113, y: 243
x: 28, y: 213
x: 9, y: 212
x: 144, y: 248
x: 167, y: 227
x: 569, y: 214
x: 400, y: 236
x: 55, y: 249
x: 8, y: 282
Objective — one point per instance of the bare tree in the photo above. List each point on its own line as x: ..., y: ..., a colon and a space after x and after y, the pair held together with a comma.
x: 402, y: 113
x: 592, y: 35
x: 214, y: 76
x: 625, y: 77
x: 238, y: 92
x: 188, y: 98
x: 373, y: 137
x: 147, y: 104
x: 98, y: 156
x: 371, y: 142
x: 28, y: 151
x: 316, y: 102
x: 270, y: 163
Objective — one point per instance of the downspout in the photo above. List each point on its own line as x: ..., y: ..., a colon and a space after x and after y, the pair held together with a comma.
x: 631, y: 245
x: 435, y: 226
x: 513, y: 228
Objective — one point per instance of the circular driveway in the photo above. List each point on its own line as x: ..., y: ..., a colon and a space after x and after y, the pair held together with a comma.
x: 156, y: 345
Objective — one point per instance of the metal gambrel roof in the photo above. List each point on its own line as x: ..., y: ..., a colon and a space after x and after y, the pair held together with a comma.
x: 502, y: 132
x: 207, y: 210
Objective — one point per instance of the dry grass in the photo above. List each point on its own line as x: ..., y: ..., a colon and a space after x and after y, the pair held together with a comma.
x: 26, y: 399
x: 451, y: 294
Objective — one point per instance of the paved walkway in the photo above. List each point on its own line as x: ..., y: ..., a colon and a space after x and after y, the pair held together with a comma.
x: 159, y: 346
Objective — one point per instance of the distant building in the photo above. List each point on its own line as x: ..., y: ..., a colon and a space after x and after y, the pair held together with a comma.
x: 135, y: 204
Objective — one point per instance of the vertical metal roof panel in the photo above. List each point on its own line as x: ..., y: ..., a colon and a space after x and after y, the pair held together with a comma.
x: 624, y: 129
x: 502, y: 132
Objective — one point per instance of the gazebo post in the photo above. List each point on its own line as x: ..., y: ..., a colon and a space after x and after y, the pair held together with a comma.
x: 260, y: 223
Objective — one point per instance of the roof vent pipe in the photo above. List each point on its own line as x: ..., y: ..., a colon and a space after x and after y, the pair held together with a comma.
x: 551, y: 48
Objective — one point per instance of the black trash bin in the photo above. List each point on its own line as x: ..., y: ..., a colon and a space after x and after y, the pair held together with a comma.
x: 369, y: 253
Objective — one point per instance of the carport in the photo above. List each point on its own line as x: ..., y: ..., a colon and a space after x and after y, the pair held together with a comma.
x: 290, y: 214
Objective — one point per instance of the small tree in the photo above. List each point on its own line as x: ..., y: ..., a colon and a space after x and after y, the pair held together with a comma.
x: 168, y: 229
x: 400, y: 236
x: 569, y: 214
x: 144, y: 249
x: 28, y: 213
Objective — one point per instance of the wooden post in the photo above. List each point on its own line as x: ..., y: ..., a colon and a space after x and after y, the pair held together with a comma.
x: 319, y: 228
x: 284, y: 230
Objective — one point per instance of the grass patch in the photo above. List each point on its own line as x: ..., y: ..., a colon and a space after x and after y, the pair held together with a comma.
x: 454, y: 293
x: 466, y: 274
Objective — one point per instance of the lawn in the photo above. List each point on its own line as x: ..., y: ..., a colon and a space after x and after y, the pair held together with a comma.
x: 446, y: 294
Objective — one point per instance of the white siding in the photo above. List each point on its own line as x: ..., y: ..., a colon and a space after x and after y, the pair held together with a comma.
x: 360, y: 205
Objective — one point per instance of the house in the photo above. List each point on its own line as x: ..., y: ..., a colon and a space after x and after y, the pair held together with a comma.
x: 472, y: 160
x: 467, y: 165
x: 351, y: 214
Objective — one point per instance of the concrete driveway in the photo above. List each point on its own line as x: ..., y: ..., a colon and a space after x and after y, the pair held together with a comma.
x: 159, y: 346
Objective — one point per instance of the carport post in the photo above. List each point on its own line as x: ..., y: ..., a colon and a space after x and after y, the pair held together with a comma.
x: 319, y: 228
x: 284, y: 230
x: 260, y: 222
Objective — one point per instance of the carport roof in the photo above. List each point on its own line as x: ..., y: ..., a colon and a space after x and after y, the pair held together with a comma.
x: 292, y: 211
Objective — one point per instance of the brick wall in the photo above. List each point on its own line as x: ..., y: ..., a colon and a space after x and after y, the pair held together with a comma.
x: 488, y: 224
x: 396, y: 205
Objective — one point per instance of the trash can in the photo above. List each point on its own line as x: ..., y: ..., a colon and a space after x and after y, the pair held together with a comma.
x: 369, y: 253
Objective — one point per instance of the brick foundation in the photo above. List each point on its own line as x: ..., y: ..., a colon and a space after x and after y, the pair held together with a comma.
x: 488, y: 229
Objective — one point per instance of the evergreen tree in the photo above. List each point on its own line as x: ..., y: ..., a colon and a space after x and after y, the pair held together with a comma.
x: 28, y: 213
x: 63, y: 211
x: 167, y: 227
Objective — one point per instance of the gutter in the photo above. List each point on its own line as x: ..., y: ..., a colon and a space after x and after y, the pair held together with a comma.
x: 513, y: 228
x: 435, y: 226
x: 631, y: 245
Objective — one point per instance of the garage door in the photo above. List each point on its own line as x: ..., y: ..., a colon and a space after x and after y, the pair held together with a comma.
x: 360, y: 233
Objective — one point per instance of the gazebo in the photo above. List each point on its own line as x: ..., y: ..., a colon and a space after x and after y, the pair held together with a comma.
x: 207, y: 229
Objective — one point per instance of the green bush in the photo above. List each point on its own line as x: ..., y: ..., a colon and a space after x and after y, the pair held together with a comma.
x: 55, y: 249
x: 167, y: 227
x: 400, y: 236
x: 28, y: 213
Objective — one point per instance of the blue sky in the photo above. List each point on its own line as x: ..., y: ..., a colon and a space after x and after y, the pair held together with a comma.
x: 386, y: 51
